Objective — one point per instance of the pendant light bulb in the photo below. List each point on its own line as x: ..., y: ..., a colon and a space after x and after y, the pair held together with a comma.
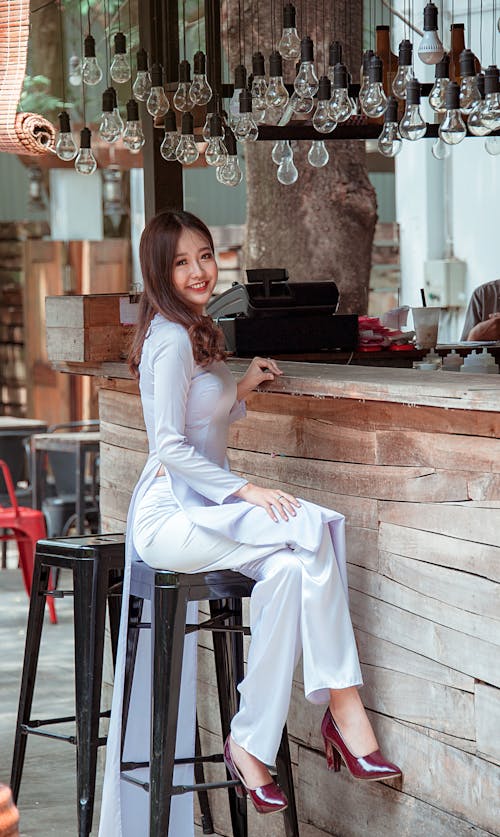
x: 282, y: 150
x: 405, y: 69
x: 490, y: 108
x: 259, y: 87
x: 469, y: 93
x: 133, y: 136
x: 289, y: 45
x: 364, y: 80
x: 187, y: 152
x: 306, y: 80
x: 157, y: 103
x: 441, y: 81
x: 452, y: 129
x: 182, y: 96
x: 200, y: 90
x: 91, y: 71
x: 230, y: 174
x: 216, y: 151
x: 323, y: 121
x: 109, y: 128
x: 474, y: 121
x: 120, y: 67
x: 287, y: 173
x: 440, y: 150
x: 276, y: 93
x: 301, y: 104
x: 142, y: 84
x: 85, y: 162
x: 171, y: 139
x: 430, y: 48
x: 75, y: 71
x: 375, y: 101
x: 492, y: 146
x: 340, y: 103
x: 245, y: 128
x: 240, y: 83
x: 66, y: 148
x: 412, y: 125
x: 318, y: 155
x: 389, y: 142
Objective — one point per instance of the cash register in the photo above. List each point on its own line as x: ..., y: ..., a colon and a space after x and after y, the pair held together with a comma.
x: 268, y: 314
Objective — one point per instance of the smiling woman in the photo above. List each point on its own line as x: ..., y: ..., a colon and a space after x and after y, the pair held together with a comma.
x: 195, y: 271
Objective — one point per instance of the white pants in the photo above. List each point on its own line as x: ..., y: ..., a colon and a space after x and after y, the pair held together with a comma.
x: 298, y: 604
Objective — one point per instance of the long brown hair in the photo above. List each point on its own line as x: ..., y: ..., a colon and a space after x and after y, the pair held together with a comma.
x: 157, y: 254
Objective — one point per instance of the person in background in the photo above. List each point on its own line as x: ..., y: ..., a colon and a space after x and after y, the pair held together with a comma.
x: 482, y: 318
x: 9, y: 815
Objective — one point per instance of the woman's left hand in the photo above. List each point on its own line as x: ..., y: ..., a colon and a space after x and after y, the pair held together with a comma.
x: 261, y: 369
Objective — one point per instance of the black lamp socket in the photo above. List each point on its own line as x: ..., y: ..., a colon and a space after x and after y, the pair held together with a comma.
x: 367, y: 55
x: 107, y: 101
x: 240, y: 77
x: 452, y: 96
x: 324, y: 89
x: 491, y: 83
x: 89, y: 47
x: 340, y: 76
x: 132, y: 111
x: 289, y: 16
x: 467, y: 65
x: 187, y: 124
x: 430, y: 18
x: 413, y: 92
x: 245, y: 101
x: 405, y: 53
x: 230, y: 142
x: 120, y: 44
x: 64, y: 125
x: 199, y: 63
x: 215, y: 125
x: 184, y: 72
x: 156, y: 75
x: 275, y: 64
x: 258, y: 64
x: 170, y: 123
x: 334, y: 53
x: 85, y: 136
x: 443, y: 67
x: 391, y: 114
x: 306, y: 49
x: 142, y: 61
x: 375, y: 70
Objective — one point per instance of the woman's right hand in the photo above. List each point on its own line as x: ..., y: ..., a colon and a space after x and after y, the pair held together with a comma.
x: 270, y: 499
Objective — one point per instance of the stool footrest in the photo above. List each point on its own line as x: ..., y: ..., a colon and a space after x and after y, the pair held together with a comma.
x: 216, y: 758
x: 45, y: 721
x: 178, y: 790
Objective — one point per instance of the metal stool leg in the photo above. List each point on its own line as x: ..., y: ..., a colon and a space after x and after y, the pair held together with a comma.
x: 285, y: 778
x: 207, y: 825
x: 40, y: 583
x: 168, y: 626
x: 114, y: 610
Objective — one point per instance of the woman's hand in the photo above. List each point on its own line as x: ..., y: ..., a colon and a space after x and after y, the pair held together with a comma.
x: 261, y: 369
x: 270, y: 499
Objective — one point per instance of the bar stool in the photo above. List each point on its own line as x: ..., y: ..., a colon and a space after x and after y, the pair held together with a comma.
x: 96, y: 563
x: 169, y: 594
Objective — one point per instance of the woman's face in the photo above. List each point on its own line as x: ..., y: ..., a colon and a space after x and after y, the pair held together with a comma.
x: 194, y: 271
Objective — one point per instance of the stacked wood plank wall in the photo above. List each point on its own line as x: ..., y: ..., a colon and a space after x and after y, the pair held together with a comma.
x: 420, y: 489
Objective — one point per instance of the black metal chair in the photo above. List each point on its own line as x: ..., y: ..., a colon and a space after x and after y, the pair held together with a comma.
x: 169, y: 594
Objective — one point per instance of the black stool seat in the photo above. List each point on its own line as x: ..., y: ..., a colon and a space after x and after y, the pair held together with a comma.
x: 96, y: 563
x: 169, y: 594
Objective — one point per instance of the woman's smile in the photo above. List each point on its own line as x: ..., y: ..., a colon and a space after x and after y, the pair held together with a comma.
x: 194, y: 272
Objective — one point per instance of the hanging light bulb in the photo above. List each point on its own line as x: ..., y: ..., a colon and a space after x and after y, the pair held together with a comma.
x: 442, y: 79
x: 216, y: 151
x: 120, y: 67
x: 206, y: 128
x: 340, y: 103
x: 452, y: 129
x: 171, y: 139
x: 186, y: 151
x: 469, y: 94
x: 363, y: 76
x: 230, y: 173
x: 474, y: 120
x: 490, y: 109
x: 282, y: 150
x: 375, y: 100
x: 492, y: 146
x: 334, y: 58
x: 157, y: 102
x: 133, y: 136
x: 440, y: 150
x: 116, y: 111
x: 85, y: 162
x: 240, y: 83
x: 389, y: 142
x: 109, y: 128
x: 306, y: 81
x: 405, y: 69
x: 200, y: 91
x: 182, y: 96
x: 287, y: 172
x: 75, y: 71
x: 289, y: 45
x: 323, y: 121
x: 142, y: 84
x: 245, y: 128
x: 430, y: 48
x: 91, y: 72
x: 412, y: 126
x: 318, y: 155
x: 259, y: 87
x: 276, y: 93
x: 300, y: 104
x: 66, y: 148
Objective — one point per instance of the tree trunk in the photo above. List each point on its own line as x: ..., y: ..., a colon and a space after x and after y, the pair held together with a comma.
x: 322, y: 226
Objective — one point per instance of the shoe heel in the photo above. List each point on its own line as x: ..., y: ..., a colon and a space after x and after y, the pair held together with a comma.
x: 240, y: 789
x: 333, y: 760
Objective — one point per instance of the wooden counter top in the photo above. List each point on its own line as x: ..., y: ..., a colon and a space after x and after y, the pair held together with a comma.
x: 451, y: 390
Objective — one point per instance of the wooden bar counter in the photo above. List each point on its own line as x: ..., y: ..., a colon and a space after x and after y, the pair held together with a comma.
x: 412, y: 459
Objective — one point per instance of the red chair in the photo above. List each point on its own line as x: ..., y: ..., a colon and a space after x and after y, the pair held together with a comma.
x: 27, y: 527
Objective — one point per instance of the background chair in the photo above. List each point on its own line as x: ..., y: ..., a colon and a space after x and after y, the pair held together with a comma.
x: 13, y: 453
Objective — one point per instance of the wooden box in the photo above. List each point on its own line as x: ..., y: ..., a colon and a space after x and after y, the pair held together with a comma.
x: 94, y: 327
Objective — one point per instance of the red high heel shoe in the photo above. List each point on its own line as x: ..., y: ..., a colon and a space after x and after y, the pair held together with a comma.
x: 268, y: 799
x: 371, y: 768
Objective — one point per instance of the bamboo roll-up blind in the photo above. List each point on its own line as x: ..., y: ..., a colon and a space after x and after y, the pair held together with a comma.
x: 20, y: 133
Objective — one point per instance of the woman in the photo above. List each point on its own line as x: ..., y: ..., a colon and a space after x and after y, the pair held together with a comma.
x: 189, y: 514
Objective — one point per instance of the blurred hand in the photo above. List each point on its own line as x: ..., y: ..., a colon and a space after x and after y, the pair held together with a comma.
x: 270, y: 499
x: 487, y: 330
x: 261, y: 369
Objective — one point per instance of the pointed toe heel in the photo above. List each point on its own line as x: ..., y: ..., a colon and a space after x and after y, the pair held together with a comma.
x: 371, y: 768
x: 268, y: 799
